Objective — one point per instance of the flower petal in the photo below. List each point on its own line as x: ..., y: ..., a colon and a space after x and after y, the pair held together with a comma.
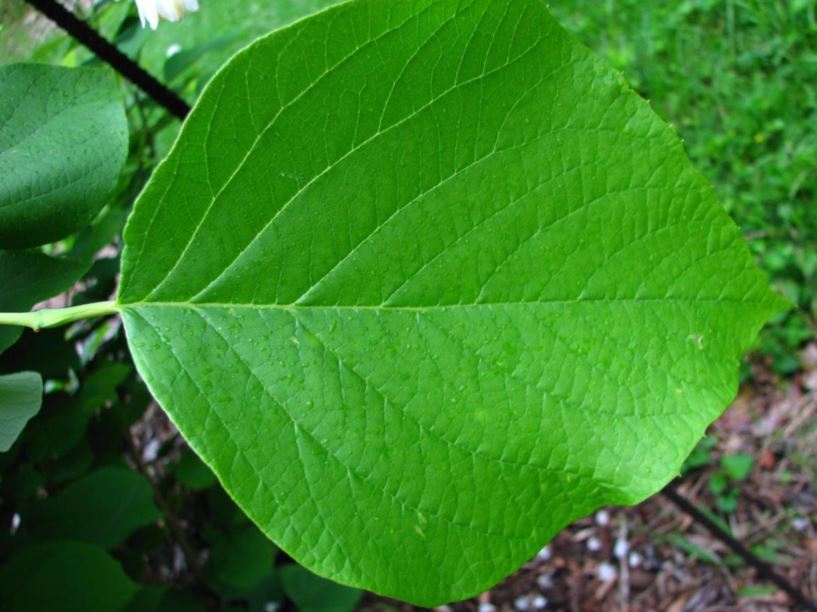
x: 148, y: 12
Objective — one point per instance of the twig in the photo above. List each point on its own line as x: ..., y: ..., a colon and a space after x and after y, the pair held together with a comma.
x: 109, y: 54
x: 764, y: 570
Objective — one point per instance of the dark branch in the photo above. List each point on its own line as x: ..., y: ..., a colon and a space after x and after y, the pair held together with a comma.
x: 764, y: 570
x: 108, y: 53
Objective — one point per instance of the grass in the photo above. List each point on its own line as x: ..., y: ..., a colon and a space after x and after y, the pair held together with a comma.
x: 737, y: 79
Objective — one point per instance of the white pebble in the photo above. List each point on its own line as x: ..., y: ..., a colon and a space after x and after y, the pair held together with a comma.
x: 151, y: 451
x: 540, y: 602
x: 522, y: 603
x: 603, y: 518
x: 621, y: 548
x: 635, y: 559
x: 545, y: 581
x: 593, y: 544
x: 606, y: 572
x: 544, y: 554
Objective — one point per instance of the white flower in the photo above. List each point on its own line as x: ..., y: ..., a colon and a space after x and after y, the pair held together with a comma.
x: 151, y: 11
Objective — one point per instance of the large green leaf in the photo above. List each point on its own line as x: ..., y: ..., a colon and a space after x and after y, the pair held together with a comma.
x: 21, y: 395
x: 424, y: 281
x: 102, y: 508
x: 30, y: 277
x: 63, y: 142
x: 64, y: 576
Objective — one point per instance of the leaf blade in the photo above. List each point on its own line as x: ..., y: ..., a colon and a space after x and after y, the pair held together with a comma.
x: 480, y: 278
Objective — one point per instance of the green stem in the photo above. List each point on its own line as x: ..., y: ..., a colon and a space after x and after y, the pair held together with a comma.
x: 54, y: 317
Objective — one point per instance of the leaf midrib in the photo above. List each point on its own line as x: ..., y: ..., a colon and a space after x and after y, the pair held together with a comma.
x: 432, y: 307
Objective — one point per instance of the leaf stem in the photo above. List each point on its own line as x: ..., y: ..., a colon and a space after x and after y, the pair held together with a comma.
x: 54, y: 317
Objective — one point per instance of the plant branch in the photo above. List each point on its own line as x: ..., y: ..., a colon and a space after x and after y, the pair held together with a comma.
x: 109, y: 54
x: 765, y: 570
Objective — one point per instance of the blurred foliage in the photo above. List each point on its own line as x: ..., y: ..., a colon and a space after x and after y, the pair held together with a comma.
x: 736, y: 78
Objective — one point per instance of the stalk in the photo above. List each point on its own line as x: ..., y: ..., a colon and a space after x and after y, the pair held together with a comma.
x: 54, y: 317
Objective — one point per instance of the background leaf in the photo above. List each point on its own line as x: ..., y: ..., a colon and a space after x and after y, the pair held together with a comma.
x: 193, y: 473
x: 240, y: 560
x: 312, y: 593
x: 483, y: 294
x: 102, y: 508
x: 62, y: 425
x: 20, y: 398
x: 64, y: 576
x: 30, y: 277
x: 63, y: 143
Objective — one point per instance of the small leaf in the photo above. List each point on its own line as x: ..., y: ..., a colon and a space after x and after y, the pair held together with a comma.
x: 427, y: 278
x: 64, y: 419
x: 100, y: 386
x: 58, y: 429
x: 240, y: 561
x: 737, y: 467
x: 193, y: 473
x: 64, y: 576
x: 63, y: 142
x: 756, y: 590
x: 47, y: 352
x: 20, y: 398
x: 718, y: 483
x: 312, y: 593
x: 727, y: 502
x: 698, y: 551
x: 102, y: 508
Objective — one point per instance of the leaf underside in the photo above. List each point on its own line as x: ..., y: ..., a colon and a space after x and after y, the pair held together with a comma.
x: 424, y: 281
